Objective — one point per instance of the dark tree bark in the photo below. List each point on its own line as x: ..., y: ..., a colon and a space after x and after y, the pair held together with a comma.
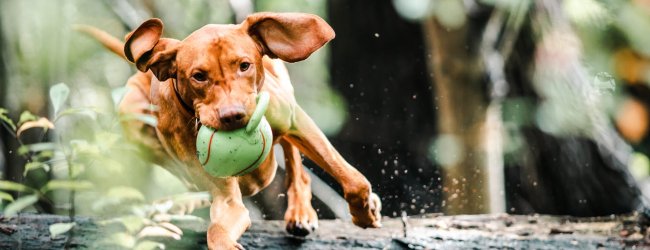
x: 378, y: 64
x: 10, y: 158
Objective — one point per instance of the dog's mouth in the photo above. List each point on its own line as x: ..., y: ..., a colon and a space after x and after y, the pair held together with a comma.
x: 223, y: 124
x: 233, y: 125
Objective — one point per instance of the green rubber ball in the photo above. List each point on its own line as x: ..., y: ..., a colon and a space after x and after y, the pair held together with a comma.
x: 236, y: 152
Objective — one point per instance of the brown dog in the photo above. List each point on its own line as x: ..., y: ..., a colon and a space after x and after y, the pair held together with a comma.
x: 214, y: 76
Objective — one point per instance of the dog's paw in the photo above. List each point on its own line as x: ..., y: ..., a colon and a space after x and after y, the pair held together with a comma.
x: 301, y: 219
x: 220, y: 246
x: 366, y: 212
x: 218, y: 239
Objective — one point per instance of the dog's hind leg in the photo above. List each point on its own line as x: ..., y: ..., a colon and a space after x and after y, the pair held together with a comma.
x: 300, y: 217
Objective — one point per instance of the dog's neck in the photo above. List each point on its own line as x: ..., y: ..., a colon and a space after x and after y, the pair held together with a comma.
x: 175, y: 128
x: 185, y: 106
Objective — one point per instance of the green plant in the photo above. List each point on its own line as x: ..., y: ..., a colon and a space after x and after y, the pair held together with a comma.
x: 79, y: 162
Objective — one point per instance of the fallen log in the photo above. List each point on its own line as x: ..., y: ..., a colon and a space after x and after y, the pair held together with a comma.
x: 29, y: 231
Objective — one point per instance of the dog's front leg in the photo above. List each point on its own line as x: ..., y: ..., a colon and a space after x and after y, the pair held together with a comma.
x: 228, y: 216
x: 364, y: 205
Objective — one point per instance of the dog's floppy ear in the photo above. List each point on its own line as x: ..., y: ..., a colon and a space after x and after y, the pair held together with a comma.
x: 148, y: 51
x: 289, y: 36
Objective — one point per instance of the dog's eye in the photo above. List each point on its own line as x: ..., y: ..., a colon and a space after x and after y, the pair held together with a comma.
x: 199, y: 76
x: 244, y: 66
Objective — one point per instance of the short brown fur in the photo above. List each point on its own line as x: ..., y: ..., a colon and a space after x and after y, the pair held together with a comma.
x: 209, y: 69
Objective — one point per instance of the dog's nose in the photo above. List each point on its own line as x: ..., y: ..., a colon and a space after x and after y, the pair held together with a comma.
x: 232, y: 117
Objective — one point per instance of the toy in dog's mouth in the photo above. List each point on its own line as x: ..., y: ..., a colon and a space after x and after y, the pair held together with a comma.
x: 236, y: 152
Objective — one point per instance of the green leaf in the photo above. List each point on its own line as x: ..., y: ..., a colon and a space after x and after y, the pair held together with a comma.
x: 147, y: 119
x: 121, y: 239
x: 185, y: 218
x: 37, y: 147
x: 149, y: 245
x: 66, y: 184
x: 118, y: 94
x: 58, y: 94
x: 125, y: 193
x: 43, y: 123
x: 13, y: 186
x: 83, y: 147
x: 90, y: 112
x: 133, y: 224
x: 27, y: 116
x: 60, y: 228
x: 117, y: 196
x: 35, y: 165
x: 20, y: 204
x: 106, y: 140
x: 6, y: 119
x: 6, y: 196
x: 45, y: 154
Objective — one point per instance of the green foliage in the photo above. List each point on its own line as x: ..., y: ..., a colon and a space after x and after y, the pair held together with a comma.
x: 149, y: 245
x: 118, y: 94
x: 67, y: 185
x: 117, y: 196
x: 27, y: 116
x: 6, y: 196
x: 12, y: 186
x: 147, y: 119
x: 6, y: 119
x: 120, y: 239
x: 20, y: 204
x: 58, y: 95
x: 35, y: 166
x: 60, y: 228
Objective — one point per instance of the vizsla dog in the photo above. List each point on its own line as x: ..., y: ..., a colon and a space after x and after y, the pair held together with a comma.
x: 212, y: 78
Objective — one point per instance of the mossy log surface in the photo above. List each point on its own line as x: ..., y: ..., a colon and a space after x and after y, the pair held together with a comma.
x: 29, y: 231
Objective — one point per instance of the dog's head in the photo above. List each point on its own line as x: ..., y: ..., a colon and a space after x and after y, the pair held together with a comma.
x: 219, y: 68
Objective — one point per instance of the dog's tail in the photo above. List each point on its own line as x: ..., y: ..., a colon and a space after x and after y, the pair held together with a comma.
x: 112, y: 43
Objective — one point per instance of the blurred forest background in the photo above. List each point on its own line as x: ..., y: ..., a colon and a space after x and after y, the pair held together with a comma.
x: 475, y: 106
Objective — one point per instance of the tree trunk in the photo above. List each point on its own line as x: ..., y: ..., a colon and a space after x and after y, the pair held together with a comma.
x: 462, y: 101
x: 445, y: 232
